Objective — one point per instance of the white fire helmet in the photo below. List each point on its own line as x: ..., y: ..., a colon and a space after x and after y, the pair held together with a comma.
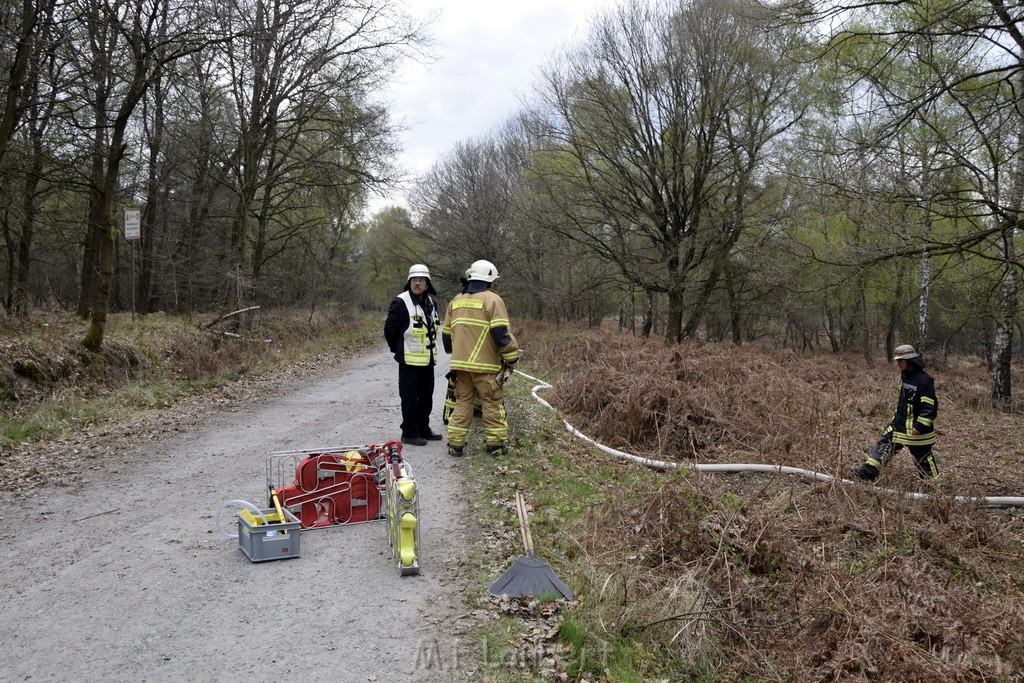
x: 418, y: 270
x: 482, y: 270
x: 904, y: 352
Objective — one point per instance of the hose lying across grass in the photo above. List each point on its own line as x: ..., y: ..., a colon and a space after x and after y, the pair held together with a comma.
x: 989, y: 501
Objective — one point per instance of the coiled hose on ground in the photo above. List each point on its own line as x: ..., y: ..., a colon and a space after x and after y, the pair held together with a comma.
x: 988, y: 501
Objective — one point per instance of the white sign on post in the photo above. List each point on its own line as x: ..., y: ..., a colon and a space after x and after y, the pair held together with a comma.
x: 132, y: 223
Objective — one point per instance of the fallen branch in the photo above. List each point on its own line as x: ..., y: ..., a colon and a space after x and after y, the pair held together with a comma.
x: 105, y: 512
x: 675, y: 617
x: 234, y: 335
x: 228, y: 315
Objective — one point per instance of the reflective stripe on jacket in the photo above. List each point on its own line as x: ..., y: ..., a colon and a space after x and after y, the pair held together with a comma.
x: 916, y: 408
x: 478, y: 327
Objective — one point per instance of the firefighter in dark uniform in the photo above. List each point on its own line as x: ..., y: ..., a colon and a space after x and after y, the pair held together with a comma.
x: 913, y: 423
x: 411, y: 332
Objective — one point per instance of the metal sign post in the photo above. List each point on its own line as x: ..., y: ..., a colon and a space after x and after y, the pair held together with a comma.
x: 132, y: 232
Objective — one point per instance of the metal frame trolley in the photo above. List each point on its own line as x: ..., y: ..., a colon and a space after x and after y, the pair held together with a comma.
x: 352, y: 485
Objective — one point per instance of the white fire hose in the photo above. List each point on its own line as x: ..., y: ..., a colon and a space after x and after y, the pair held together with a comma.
x: 988, y: 501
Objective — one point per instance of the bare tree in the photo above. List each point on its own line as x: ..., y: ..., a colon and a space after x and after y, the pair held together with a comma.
x: 198, y: 137
x: 31, y: 98
x: 968, y: 60
x: 22, y: 30
x: 298, y: 75
x: 257, y: 120
x: 128, y: 44
x: 656, y: 130
x: 465, y: 202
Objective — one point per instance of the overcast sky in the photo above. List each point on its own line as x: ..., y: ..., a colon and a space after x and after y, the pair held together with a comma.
x: 487, y: 54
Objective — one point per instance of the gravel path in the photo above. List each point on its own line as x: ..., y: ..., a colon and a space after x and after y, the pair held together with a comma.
x: 123, y: 578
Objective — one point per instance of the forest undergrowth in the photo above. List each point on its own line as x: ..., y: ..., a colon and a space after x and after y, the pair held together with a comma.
x: 62, y: 407
x: 706, y: 577
x: 773, y: 577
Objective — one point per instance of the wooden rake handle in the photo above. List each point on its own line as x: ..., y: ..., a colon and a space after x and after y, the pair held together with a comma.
x: 524, y: 522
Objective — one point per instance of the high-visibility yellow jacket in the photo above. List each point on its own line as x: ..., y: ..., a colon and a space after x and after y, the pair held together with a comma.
x: 477, y: 333
x: 410, y: 329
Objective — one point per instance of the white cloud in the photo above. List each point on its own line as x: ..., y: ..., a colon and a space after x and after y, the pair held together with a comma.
x: 487, y: 55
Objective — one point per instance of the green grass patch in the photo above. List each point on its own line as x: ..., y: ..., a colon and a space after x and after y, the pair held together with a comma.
x: 564, y: 481
x: 51, y: 420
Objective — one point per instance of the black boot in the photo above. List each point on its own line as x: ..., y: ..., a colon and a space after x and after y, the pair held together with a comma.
x: 866, y: 472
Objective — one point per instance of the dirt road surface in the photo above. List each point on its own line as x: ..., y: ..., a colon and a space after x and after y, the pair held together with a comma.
x: 122, y: 577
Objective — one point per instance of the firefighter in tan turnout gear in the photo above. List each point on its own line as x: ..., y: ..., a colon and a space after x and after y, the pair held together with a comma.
x: 477, y: 334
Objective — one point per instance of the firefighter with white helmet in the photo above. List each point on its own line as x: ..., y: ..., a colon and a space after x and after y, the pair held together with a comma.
x: 478, y: 335
x: 411, y: 332
x: 913, y: 421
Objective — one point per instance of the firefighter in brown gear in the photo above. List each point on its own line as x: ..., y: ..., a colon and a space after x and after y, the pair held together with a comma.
x: 477, y: 334
x: 913, y: 421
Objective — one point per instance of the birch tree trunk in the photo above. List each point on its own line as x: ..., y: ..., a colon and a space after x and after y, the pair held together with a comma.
x: 1002, y: 336
x: 926, y: 280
